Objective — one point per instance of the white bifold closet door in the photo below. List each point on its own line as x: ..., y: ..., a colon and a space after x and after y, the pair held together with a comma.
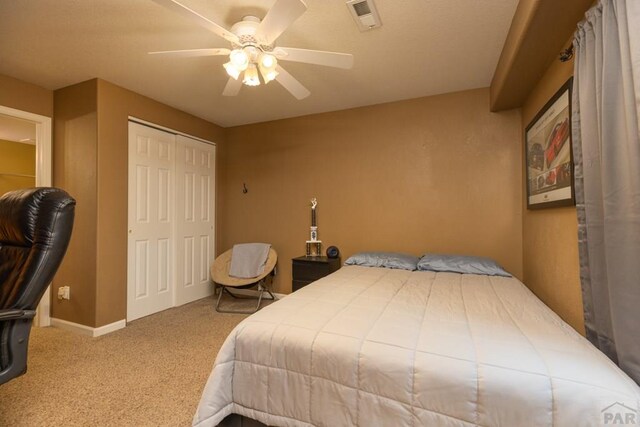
x: 171, y: 220
x: 195, y: 182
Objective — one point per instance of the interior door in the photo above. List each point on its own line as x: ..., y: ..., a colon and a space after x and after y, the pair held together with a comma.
x: 195, y: 218
x: 150, y: 279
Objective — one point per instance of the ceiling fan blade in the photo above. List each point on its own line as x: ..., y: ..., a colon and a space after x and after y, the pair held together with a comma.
x: 319, y: 57
x: 192, y: 52
x: 194, y: 16
x: 278, y: 19
x: 233, y: 87
x: 291, y: 84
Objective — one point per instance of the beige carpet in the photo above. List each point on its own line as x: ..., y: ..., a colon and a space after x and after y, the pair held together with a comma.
x: 150, y: 373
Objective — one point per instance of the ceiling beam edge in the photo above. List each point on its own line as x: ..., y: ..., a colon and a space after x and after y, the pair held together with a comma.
x: 519, y: 28
x: 539, y: 30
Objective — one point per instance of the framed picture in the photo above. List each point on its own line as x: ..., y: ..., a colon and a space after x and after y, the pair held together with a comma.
x: 549, y: 158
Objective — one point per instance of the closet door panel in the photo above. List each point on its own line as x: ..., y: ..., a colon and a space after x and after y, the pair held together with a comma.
x: 195, y: 224
x: 150, y: 268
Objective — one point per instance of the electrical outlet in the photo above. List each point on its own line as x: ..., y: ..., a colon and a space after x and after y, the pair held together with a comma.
x: 64, y: 292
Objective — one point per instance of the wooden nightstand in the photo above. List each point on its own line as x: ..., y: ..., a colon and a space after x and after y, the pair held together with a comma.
x: 307, y: 269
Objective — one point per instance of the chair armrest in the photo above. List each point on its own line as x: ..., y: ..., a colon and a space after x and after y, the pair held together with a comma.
x: 15, y: 314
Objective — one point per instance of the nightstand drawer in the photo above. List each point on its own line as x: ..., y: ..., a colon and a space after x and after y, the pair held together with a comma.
x: 309, y: 269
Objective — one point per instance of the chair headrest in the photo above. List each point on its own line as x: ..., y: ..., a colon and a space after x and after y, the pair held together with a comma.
x: 28, y: 216
x: 35, y: 229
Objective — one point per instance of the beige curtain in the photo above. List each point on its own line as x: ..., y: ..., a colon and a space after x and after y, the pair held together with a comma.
x: 605, y: 117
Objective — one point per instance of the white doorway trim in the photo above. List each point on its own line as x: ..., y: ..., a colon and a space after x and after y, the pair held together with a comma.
x: 44, y: 178
x: 166, y: 129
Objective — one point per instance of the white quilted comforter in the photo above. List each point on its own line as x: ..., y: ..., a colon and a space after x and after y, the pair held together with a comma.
x: 379, y: 347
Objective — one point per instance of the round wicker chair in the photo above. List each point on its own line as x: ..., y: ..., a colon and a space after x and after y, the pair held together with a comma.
x: 220, y: 276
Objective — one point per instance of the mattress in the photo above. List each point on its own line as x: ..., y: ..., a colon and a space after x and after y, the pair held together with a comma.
x: 379, y: 347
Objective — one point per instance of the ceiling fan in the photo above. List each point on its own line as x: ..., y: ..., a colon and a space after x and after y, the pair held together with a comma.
x: 253, y: 50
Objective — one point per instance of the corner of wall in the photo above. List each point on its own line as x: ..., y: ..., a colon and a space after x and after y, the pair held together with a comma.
x: 550, y: 236
x: 74, y: 158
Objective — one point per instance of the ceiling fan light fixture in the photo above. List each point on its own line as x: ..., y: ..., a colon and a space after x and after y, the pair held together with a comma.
x: 267, y: 67
x: 269, y: 75
x: 232, y: 70
x: 251, y: 76
x: 268, y: 61
x: 253, y: 55
x: 239, y: 59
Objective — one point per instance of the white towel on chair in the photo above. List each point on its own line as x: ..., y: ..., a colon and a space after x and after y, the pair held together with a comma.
x: 248, y: 260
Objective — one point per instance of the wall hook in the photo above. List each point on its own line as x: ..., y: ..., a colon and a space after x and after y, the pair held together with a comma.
x: 245, y: 190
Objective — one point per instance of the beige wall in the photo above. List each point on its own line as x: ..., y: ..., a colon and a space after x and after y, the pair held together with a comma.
x: 406, y: 177
x: 24, y: 96
x: 115, y: 105
x: 90, y: 161
x: 528, y: 74
x: 439, y: 174
x: 550, y: 237
x: 19, y: 159
x: 75, y: 140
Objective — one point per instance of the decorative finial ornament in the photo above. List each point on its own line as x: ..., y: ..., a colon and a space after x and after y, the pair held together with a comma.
x: 313, y: 240
x: 566, y: 54
x: 314, y: 203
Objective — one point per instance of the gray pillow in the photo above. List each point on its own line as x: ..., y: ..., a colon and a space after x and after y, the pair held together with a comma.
x: 384, y: 259
x: 461, y: 264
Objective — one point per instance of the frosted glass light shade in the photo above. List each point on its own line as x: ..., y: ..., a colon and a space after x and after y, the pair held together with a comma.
x: 251, y: 76
x: 268, y: 61
x: 268, y: 75
x: 239, y: 58
x: 268, y: 65
x: 232, y: 70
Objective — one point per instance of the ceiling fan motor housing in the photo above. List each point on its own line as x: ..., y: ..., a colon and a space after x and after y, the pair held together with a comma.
x: 246, y: 30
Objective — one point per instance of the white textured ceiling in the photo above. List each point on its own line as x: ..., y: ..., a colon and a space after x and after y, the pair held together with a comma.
x: 424, y: 47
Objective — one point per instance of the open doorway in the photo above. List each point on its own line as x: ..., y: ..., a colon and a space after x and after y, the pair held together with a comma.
x: 18, y: 148
x: 33, y: 134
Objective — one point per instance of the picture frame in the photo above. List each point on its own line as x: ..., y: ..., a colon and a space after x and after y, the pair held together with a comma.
x: 549, y: 155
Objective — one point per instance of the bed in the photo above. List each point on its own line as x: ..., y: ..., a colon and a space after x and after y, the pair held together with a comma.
x: 383, y: 347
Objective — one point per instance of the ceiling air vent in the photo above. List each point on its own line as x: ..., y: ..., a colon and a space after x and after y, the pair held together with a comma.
x: 365, y: 14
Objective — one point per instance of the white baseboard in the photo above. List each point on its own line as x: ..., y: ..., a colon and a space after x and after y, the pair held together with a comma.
x: 88, y: 330
x: 255, y: 293
x: 112, y: 327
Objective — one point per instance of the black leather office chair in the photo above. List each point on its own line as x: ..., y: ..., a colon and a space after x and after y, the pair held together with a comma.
x: 35, y: 228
